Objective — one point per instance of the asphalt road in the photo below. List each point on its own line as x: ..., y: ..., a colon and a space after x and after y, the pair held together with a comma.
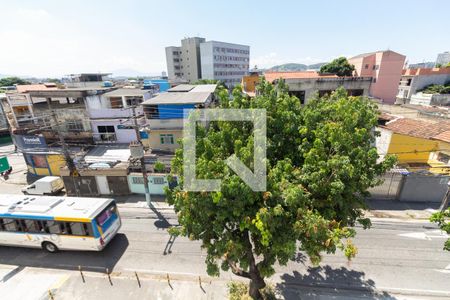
x: 393, y: 258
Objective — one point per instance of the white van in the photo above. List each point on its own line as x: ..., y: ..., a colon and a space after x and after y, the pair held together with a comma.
x: 48, y: 185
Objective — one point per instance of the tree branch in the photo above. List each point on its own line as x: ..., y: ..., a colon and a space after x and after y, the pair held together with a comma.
x: 237, y: 271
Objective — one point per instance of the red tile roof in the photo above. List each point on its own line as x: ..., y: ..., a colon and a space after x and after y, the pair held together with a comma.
x: 34, y: 87
x: 271, y: 76
x: 443, y: 136
x: 416, y: 128
x: 425, y: 71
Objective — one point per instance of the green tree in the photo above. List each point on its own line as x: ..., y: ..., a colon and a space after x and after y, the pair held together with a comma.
x: 320, y: 163
x: 159, y: 167
x: 442, y: 218
x: 8, y: 81
x: 340, y: 66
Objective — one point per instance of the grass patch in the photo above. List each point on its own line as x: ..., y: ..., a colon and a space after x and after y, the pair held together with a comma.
x: 239, y: 291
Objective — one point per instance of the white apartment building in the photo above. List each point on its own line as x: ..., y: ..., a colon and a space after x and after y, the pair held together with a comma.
x: 224, y: 61
x: 443, y: 58
x: 197, y: 59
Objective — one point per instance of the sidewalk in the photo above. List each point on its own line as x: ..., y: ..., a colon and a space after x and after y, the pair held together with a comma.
x: 379, y: 208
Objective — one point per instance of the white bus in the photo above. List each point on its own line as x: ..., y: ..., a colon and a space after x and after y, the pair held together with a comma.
x: 57, y: 223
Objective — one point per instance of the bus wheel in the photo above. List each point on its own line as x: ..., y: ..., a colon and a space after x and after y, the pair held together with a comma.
x: 49, y: 247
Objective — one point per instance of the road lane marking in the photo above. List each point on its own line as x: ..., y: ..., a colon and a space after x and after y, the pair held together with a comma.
x: 426, y: 235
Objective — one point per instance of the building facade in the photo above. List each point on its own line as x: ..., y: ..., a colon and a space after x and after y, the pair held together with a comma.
x: 306, y: 84
x: 224, y: 61
x: 443, y: 58
x: 184, y: 62
x: 197, y: 59
x: 413, y: 80
x: 385, y: 68
x: 166, y: 112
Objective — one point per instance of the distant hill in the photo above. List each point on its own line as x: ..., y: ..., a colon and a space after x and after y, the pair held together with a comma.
x: 295, y: 67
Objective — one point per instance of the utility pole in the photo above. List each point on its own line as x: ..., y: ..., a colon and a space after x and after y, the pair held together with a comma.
x: 65, y: 148
x: 446, y: 198
x: 142, y: 159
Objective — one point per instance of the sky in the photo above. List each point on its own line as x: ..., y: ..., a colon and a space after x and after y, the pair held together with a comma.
x: 49, y: 38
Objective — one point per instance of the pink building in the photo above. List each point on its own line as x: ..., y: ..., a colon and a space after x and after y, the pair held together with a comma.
x: 385, y: 67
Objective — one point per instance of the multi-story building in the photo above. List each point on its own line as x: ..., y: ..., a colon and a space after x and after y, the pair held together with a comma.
x: 306, y: 84
x: 385, y: 68
x: 443, y: 58
x: 184, y: 62
x: 224, y: 61
x: 197, y: 59
x: 165, y: 113
x: 86, y: 80
x: 413, y: 80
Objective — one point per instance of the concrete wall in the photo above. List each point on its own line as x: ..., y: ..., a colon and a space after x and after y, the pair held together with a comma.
x: 190, y: 55
x: 154, y: 139
x: 136, y: 183
x: 410, y: 149
x: 122, y: 135
x: 171, y: 63
x: 382, y: 142
x: 423, y: 188
x: 430, y: 99
x: 312, y: 85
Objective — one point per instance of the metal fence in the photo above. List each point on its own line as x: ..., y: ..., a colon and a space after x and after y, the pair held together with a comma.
x: 391, y: 185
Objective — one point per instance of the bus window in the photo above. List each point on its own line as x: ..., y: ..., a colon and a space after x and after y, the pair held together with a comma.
x: 88, y: 229
x: 76, y: 228
x: 10, y: 225
x: 53, y: 227
x: 30, y: 226
x: 2, y: 227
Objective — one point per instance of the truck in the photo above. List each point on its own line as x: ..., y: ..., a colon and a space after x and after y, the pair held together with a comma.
x: 48, y: 185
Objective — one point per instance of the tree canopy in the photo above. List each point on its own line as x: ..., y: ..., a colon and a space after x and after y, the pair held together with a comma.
x: 442, y: 218
x: 339, y: 66
x: 436, y: 89
x: 9, y: 81
x: 320, y: 163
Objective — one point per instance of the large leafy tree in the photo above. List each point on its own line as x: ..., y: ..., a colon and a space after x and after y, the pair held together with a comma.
x: 339, y: 66
x: 320, y: 163
x: 9, y: 81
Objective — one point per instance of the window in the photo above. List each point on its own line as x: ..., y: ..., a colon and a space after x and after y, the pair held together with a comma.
x: 52, y: 227
x: 158, y: 180
x: 166, y: 139
x: 366, y: 66
x: 116, y: 102
x: 408, y: 82
x: 31, y: 225
x: 134, y: 101
x: 374, y: 80
x: 10, y: 225
x: 137, y: 180
x: 74, y: 125
x: 76, y: 228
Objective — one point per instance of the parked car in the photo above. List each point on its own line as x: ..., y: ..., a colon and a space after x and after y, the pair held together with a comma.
x: 48, y: 185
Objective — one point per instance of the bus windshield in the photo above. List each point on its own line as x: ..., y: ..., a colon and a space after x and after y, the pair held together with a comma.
x: 107, y: 216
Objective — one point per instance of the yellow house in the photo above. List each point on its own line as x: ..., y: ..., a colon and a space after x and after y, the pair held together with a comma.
x: 414, y: 144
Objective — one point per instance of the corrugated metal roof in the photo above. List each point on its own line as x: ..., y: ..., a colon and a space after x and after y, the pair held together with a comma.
x: 179, y: 98
x: 126, y: 92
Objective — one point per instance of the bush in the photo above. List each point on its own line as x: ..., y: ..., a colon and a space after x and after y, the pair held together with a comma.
x: 159, y: 167
x: 239, y: 291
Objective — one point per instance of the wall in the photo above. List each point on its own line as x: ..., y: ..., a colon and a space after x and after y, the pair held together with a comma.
x: 313, y: 85
x: 387, y: 76
x: 135, y: 182
x: 122, y: 135
x: 190, y: 48
x: 423, y: 188
x: 173, y: 111
x: 382, y: 142
x: 155, y: 140
x: 170, y: 63
x: 411, y: 149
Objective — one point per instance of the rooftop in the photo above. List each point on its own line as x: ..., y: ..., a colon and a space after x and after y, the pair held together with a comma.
x: 51, y: 206
x: 192, y: 88
x: 373, y: 53
x: 179, y: 98
x: 126, y: 92
x: 271, y: 76
x: 417, y: 128
x: 443, y: 136
x: 425, y: 71
x: 35, y: 87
